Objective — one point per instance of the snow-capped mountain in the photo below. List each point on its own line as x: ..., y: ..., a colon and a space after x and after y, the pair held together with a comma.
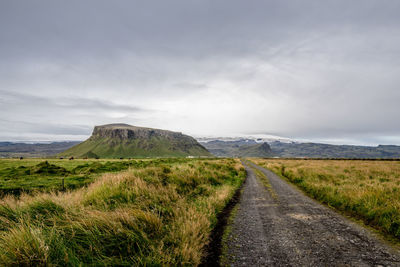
x: 257, y: 138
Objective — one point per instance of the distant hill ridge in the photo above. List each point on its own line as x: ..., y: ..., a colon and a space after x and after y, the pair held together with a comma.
x: 317, y: 150
x: 251, y: 148
x: 123, y: 140
x: 15, y: 149
x: 117, y: 135
x: 238, y: 148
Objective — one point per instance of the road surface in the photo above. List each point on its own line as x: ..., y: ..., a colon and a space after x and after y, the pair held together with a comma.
x: 287, y: 228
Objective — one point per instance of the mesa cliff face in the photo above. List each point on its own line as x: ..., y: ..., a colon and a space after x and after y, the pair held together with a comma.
x: 123, y: 140
x: 125, y: 132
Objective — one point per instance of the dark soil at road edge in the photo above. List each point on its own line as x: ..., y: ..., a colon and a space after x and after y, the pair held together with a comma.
x: 213, y: 249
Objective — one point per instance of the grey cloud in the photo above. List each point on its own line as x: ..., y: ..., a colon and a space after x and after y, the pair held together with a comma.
x: 46, y: 128
x: 23, y: 113
x: 184, y: 28
x: 304, y: 69
x: 93, y: 104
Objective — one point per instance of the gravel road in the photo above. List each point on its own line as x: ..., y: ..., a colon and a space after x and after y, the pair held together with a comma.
x: 294, y: 230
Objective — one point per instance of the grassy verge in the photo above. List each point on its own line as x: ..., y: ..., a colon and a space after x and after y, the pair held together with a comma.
x: 366, y: 190
x: 215, y: 250
x: 226, y: 238
x: 160, y: 214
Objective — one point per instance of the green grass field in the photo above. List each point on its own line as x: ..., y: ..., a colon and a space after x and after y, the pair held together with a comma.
x: 366, y: 190
x: 153, y: 212
x: 29, y: 175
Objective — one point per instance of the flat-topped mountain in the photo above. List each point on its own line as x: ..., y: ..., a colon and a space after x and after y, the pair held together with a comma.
x: 127, y: 141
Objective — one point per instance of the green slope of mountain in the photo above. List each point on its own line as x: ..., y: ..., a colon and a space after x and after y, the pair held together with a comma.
x: 257, y: 150
x: 126, y: 141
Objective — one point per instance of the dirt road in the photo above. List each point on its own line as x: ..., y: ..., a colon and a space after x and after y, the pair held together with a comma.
x: 290, y: 229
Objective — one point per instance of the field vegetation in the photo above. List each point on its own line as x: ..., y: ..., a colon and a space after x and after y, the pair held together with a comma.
x: 158, y: 214
x: 367, y: 190
x: 29, y: 175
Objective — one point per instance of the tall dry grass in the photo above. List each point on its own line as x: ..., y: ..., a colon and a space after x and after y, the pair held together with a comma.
x: 367, y: 190
x: 159, y: 215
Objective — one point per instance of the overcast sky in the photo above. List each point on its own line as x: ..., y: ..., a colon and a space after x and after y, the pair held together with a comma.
x: 311, y: 70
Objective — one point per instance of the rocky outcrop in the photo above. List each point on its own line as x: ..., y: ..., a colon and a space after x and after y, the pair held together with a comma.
x: 265, y: 148
x: 125, y: 131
